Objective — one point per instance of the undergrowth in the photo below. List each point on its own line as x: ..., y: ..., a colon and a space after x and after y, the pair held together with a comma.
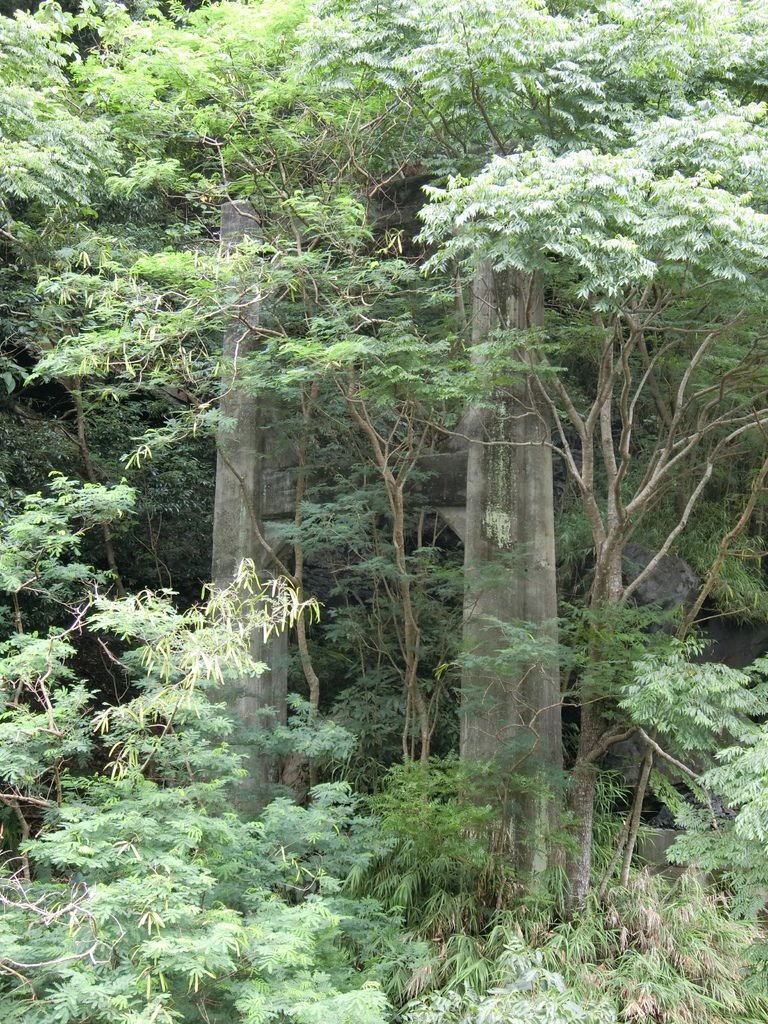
x: 657, y: 951
x: 663, y: 952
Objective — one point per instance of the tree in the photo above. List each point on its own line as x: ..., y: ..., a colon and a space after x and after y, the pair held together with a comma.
x: 669, y: 271
x: 134, y: 893
x: 613, y: 283
x: 554, y: 83
x: 594, y: 300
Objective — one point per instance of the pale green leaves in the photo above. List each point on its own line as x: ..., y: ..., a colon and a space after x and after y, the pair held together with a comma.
x: 486, y: 76
x: 694, y: 704
x: 696, y: 707
x: 742, y: 775
x: 527, y: 994
x: 150, y: 901
x: 40, y: 542
x: 608, y: 220
x: 185, y: 77
x: 715, y: 140
x: 49, y: 152
x: 171, y: 906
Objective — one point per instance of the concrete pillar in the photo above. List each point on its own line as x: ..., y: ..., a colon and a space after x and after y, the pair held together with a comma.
x: 243, y: 448
x: 510, y: 713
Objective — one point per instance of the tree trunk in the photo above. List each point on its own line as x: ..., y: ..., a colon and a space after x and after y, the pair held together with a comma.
x: 238, y: 532
x: 607, y: 590
x: 510, y: 711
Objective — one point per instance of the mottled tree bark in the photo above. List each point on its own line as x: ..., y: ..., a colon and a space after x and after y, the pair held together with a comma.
x: 511, y: 700
x: 238, y: 530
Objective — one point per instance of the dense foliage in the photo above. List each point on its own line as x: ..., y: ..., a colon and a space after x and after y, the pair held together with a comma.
x: 449, y: 208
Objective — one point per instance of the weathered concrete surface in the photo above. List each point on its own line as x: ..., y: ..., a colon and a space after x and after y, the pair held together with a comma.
x: 510, y: 689
x: 441, y: 481
x: 242, y: 485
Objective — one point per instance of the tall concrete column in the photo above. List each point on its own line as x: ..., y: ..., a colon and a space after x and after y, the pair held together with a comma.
x: 243, y: 442
x: 510, y: 710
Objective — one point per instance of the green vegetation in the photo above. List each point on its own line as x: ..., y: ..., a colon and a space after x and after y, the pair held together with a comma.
x: 433, y: 334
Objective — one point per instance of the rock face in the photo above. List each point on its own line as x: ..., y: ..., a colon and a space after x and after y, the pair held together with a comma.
x: 672, y: 584
x: 736, y: 644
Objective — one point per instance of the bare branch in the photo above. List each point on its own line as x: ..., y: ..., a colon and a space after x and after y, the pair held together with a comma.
x: 606, y: 741
x: 681, y: 767
x: 757, y: 488
x: 673, y: 534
